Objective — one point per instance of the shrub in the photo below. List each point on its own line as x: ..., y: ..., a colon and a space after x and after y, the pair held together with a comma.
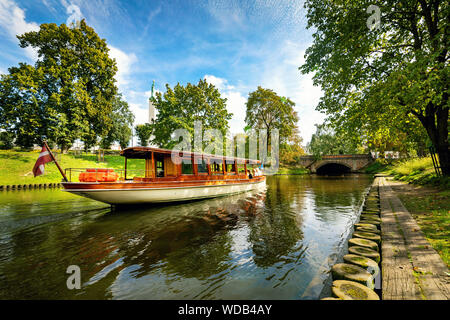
x: 6, y: 140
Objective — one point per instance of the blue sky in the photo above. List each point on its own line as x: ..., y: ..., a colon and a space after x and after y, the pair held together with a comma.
x: 236, y: 45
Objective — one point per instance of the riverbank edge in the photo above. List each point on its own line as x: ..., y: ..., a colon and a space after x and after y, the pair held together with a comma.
x: 30, y: 186
x: 359, y: 275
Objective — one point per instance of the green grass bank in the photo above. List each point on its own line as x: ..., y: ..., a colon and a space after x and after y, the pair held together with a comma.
x: 285, y: 170
x: 16, y: 166
x: 419, y: 171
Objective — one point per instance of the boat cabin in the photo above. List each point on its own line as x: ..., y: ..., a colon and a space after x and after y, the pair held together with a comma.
x: 159, y: 166
x: 189, y: 176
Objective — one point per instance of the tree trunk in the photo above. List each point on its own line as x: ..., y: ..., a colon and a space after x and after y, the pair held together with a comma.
x: 444, y: 159
x: 436, y: 125
x: 442, y: 143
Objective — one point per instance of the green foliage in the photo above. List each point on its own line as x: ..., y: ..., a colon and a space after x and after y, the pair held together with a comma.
x: 292, y: 170
x: 326, y: 141
x: 6, y: 140
x: 180, y: 107
x: 418, y: 171
x: 388, y: 85
x: 122, y: 122
x: 413, y: 166
x: 267, y: 110
x: 67, y: 94
x: 290, y: 154
x: 379, y: 165
x: 144, y: 132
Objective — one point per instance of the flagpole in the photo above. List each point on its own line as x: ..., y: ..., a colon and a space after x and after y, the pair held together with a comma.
x: 56, y: 162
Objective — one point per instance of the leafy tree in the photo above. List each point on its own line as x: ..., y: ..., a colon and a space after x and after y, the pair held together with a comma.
x: 267, y: 110
x: 180, y: 107
x: 67, y: 94
x: 6, y: 140
x: 122, y: 122
x: 394, y: 76
x: 144, y: 132
x: 326, y: 141
x: 290, y: 153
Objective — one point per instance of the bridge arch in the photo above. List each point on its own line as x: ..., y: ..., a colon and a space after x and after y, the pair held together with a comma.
x: 355, y: 162
x: 333, y: 168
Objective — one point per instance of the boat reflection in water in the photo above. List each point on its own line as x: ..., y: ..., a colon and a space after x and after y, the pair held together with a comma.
x: 275, y: 242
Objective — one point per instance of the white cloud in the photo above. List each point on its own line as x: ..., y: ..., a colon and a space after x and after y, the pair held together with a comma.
x: 138, y: 102
x: 12, y: 20
x: 236, y: 105
x: 280, y: 73
x: 140, y: 111
x: 124, y: 65
x: 235, y: 102
x: 220, y: 83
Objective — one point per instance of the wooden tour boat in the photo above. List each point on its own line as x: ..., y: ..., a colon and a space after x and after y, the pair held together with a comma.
x: 196, y: 176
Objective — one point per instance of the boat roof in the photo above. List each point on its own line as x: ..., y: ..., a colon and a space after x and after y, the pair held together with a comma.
x: 146, y: 152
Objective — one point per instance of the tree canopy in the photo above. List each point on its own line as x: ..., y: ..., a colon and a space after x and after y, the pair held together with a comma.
x: 180, y: 107
x: 68, y: 94
x: 384, y: 82
x: 267, y: 110
x: 122, y: 121
x: 144, y: 132
x: 326, y: 141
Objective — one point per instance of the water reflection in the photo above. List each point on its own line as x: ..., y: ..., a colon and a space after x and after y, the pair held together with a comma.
x: 273, y: 243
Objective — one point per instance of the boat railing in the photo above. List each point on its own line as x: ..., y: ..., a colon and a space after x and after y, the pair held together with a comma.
x: 103, y: 174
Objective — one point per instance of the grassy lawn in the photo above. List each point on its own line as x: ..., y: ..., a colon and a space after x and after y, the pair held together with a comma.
x: 292, y: 170
x: 419, y: 171
x: 430, y: 207
x: 16, y: 166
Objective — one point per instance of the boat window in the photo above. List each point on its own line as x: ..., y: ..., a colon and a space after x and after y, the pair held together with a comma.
x: 186, y: 167
x: 159, y: 168
x: 216, y: 166
x: 202, y: 166
x: 231, y: 169
x: 241, y: 169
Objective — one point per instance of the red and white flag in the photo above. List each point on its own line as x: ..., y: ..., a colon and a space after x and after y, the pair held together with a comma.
x: 39, y: 166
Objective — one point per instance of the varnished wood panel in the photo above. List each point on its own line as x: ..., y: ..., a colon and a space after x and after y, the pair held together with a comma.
x: 169, y: 167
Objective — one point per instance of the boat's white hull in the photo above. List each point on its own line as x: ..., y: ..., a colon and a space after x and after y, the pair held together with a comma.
x: 167, y: 194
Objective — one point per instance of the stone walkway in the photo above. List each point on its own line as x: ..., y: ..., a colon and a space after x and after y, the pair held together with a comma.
x: 411, y: 268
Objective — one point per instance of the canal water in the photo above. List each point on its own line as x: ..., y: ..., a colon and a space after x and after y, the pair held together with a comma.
x: 278, y: 242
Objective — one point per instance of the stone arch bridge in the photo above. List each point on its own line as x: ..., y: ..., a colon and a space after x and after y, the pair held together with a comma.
x: 341, y: 163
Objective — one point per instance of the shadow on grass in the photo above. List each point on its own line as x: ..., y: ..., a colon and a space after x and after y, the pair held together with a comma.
x: 16, y: 156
